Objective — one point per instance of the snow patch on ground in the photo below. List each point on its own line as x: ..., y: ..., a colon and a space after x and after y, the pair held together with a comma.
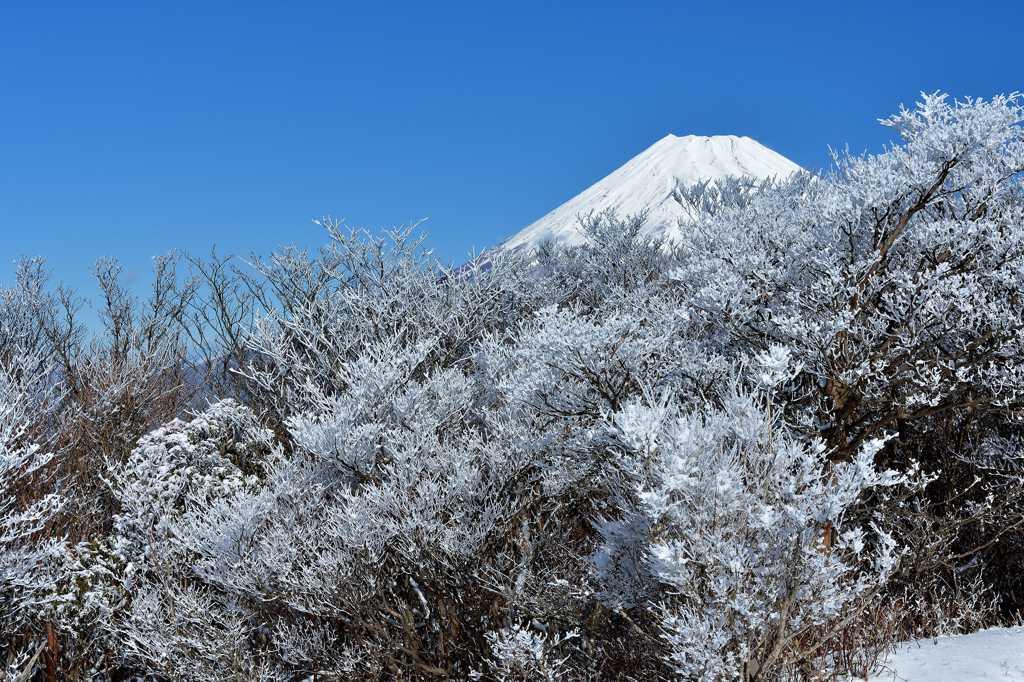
x: 996, y: 654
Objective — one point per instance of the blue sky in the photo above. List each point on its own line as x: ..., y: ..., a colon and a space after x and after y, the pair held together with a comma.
x: 132, y: 129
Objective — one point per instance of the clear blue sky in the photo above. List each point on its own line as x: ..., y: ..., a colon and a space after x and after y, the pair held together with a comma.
x: 135, y: 128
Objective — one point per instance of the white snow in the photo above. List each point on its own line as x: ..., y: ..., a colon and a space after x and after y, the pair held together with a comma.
x: 647, y: 181
x: 996, y: 654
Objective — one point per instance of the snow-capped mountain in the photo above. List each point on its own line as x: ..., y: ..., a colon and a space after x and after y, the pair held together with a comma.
x: 647, y: 182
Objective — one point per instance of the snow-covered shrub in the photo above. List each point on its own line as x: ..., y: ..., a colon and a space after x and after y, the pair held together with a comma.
x: 385, y: 538
x: 168, y: 616
x: 25, y: 399
x: 378, y: 295
x: 747, y: 530
x: 24, y: 393
x: 182, y: 464
x: 519, y: 654
x: 417, y: 510
x: 617, y: 257
x: 564, y: 363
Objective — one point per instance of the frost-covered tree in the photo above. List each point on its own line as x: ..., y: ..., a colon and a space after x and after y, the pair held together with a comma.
x: 741, y: 534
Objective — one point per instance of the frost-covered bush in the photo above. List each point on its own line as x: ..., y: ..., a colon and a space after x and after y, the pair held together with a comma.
x: 616, y: 258
x: 382, y: 541
x: 25, y: 400
x: 380, y: 297
x: 519, y: 654
x: 24, y: 394
x: 564, y: 363
x: 746, y: 530
x: 182, y: 465
x: 175, y: 471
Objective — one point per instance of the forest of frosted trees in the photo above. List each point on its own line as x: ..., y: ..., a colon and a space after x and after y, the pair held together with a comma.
x: 767, y: 451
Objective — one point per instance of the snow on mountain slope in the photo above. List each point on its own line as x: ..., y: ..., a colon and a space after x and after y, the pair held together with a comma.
x: 647, y: 181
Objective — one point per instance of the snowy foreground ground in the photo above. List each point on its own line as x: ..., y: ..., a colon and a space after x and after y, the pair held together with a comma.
x: 996, y: 654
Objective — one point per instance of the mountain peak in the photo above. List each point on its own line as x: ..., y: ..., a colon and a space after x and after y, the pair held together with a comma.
x: 647, y: 180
